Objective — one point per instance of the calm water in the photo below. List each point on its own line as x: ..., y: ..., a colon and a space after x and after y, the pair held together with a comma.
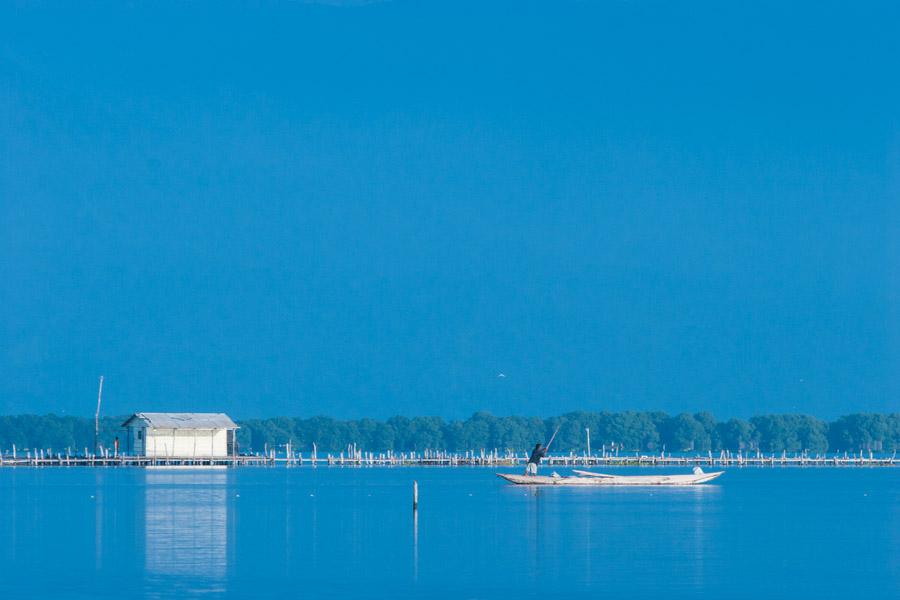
x: 337, y: 533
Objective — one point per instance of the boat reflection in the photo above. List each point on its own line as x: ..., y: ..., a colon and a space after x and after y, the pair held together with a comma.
x: 605, y: 531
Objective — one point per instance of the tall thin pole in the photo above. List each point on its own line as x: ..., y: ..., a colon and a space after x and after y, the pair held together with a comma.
x: 588, y: 430
x: 97, y: 418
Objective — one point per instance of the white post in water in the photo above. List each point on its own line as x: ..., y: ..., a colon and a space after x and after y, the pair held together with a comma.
x: 415, y: 496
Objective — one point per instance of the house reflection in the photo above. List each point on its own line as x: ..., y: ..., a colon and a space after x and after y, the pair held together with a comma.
x: 186, y: 527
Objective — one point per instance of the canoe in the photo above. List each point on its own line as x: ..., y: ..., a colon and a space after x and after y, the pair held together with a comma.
x: 698, y: 476
x: 587, y: 478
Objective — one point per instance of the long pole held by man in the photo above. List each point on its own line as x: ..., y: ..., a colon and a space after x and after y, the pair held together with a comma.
x: 97, y: 418
x: 539, y: 452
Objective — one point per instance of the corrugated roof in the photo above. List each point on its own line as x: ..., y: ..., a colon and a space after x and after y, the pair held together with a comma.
x: 185, y: 420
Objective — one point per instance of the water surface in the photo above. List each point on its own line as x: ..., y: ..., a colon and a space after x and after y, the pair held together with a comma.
x: 350, y: 532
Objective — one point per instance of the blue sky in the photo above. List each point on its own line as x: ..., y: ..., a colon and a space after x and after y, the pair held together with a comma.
x: 368, y: 209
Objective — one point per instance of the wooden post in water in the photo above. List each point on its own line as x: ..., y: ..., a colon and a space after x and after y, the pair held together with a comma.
x: 415, y: 496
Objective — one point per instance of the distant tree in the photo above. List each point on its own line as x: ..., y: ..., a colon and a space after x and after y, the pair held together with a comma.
x: 382, y: 438
x: 812, y: 433
x: 628, y: 431
x: 735, y: 435
x: 475, y: 432
x: 773, y: 435
x: 325, y: 432
x: 892, y: 440
x: 790, y: 433
x: 861, y: 431
x: 571, y: 436
x: 685, y: 433
x: 516, y: 433
x: 708, y: 421
x: 426, y: 433
x: 402, y: 439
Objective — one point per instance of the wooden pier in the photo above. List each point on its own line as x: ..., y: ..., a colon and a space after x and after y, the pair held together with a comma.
x: 287, y: 457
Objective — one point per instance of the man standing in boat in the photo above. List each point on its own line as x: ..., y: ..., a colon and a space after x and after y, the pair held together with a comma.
x: 539, y: 452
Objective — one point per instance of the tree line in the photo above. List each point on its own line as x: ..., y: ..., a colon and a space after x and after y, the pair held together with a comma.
x: 614, y: 431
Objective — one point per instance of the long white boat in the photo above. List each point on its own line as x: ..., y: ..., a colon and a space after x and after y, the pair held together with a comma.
x: 597, y: 479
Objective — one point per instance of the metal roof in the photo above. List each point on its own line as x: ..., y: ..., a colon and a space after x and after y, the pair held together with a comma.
x: 184, y: 420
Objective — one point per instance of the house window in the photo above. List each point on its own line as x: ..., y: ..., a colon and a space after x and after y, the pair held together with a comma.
x: 140, y: 434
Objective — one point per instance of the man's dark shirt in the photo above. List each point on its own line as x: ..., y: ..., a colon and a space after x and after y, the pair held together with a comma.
x: 537, y: 454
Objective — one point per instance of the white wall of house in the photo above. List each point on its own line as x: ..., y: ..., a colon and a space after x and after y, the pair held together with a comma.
x: 185, y: 443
